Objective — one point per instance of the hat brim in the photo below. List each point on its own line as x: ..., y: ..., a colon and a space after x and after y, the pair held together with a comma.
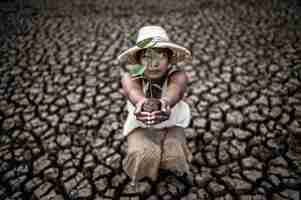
x: 179, y: 53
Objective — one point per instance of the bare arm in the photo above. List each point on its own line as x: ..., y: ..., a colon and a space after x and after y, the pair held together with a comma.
x: 132, y: 89
x: 177, y: 85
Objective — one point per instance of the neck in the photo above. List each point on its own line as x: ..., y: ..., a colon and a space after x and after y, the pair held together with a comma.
x: 153, y: 91
x: 158, y: 81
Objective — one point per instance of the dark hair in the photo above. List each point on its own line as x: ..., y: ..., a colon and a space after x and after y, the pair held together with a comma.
x: 168, y: 51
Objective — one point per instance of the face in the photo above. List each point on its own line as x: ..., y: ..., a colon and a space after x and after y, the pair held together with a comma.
x: 155, y: 61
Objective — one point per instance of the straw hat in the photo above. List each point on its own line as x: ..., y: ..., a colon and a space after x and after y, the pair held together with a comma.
x: 157, y: 38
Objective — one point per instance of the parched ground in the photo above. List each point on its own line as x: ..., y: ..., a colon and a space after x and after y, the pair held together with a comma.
x: 61, y: 110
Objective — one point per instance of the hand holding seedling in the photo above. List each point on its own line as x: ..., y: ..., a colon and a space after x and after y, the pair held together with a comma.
x: 152, y: 111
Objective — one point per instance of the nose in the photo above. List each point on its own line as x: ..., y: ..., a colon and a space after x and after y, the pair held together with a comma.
x: 155, y: 63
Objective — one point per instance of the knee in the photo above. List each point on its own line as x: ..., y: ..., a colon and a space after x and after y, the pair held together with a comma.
x: 145, y: 153
x: 173, y: 148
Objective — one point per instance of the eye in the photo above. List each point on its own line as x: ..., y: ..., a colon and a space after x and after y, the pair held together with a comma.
x: 163, y: 55
x: 146, y: 56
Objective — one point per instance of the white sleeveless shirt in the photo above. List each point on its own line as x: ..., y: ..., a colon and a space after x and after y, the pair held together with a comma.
x: 180, y: 115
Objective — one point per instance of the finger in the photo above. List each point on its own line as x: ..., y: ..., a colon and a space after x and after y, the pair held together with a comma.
x: 143, y: 114
x: 164, y: 105
x: 143, y: 119
x: 167, y: 108
x: 162, y: 117
x: 167, y: 113
x: 158, y: 112
x: 157, y: 121
x: 149, y: 122
x: 138, y: 107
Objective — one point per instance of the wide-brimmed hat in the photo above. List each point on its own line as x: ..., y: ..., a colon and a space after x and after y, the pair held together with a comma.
x: 155, y: 37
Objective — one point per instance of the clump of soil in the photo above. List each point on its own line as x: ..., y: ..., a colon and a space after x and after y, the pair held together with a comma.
x: 151, y: 105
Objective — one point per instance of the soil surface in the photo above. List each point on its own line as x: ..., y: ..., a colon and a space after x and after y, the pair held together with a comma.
x: 62, y: 112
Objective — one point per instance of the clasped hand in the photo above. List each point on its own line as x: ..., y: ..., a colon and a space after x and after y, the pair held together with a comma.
x: 155, y: 117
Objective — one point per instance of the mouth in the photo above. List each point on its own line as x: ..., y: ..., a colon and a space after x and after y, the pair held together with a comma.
x: 154, y: 71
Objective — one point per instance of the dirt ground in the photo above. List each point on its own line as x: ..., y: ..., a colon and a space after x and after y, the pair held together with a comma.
x: 61, y: 110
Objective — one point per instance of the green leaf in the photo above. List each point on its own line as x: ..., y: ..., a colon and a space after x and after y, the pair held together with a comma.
x: 132, y: 37
x: 144, y: 43
x: 137, y: 70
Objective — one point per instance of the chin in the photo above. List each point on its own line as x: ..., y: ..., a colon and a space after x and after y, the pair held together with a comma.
x: 154, y: 78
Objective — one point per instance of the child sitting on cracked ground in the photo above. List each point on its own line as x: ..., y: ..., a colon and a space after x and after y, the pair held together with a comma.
x: 157, y: 115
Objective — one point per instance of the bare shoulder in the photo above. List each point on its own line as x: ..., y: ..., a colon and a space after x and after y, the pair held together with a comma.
x: 125, y: 75
x: 128, y: 79
x: 178, y: 76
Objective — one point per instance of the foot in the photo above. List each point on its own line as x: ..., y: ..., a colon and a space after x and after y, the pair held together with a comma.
x: 183, y: 183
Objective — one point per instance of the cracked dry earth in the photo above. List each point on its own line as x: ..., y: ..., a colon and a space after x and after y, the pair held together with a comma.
x: 62, y: 106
